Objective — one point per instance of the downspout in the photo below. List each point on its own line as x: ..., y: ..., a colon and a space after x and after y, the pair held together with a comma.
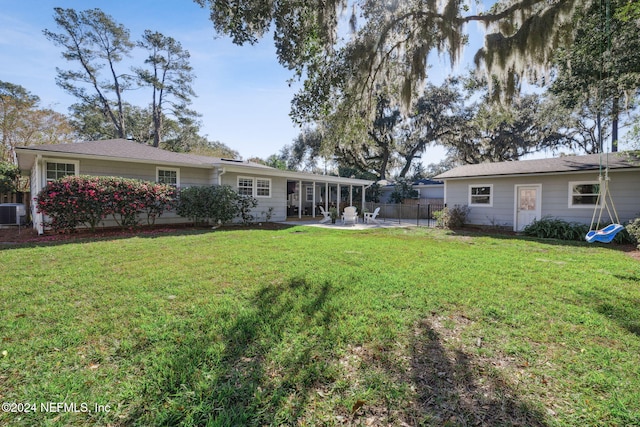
x: 222, y: 172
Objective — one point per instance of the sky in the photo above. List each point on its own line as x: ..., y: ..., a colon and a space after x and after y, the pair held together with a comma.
x: 243, y: 92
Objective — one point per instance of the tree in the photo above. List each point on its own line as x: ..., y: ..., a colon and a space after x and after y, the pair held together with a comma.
x: 436, y: 114
x: 169, y: 76
x: 96, y: 43
x: 601, y: 69
x: 391, y: 42
x: 629, y: 10
x: 92, y: 40
x: 22, y: 122
x: 304, y: 152
x: 203, y: 147
x: 9, y: 174
x: 495, y: 133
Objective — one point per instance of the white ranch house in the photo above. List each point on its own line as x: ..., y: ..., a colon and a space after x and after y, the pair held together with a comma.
x: 287, y: 193
x: 515, y: 193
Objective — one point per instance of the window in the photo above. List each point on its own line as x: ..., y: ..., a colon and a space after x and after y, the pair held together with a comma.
x: 263, y: 187
x: 60, y: 170
x: 254, y: 187
x: 245, y: 186
x: 309, y: 194
x: 583, y: 194
x: 480, y: 195
x: 168, y: 176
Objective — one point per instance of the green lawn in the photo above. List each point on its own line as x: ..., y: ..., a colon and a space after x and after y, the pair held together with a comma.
x: 305, y: 326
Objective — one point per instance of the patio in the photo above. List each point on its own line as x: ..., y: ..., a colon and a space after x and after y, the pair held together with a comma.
x: 381, y: 223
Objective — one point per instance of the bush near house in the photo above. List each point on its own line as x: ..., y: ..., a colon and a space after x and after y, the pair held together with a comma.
x: 555, y: 228
x: 633, y: 229
x: 452, y: 218
x: 218, y: 204
x: 76, y: 201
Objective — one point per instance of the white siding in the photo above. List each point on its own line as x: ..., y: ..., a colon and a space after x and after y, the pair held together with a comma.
x: 624, y: 187
x: 188, y: 176
x: 277, y: 201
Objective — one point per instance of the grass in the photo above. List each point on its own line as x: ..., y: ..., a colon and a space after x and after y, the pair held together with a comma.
x: 305, y: 326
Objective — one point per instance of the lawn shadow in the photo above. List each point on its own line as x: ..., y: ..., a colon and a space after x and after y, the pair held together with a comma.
x: 264, y: 374
x: 621, y: 309
x: 454, y: 388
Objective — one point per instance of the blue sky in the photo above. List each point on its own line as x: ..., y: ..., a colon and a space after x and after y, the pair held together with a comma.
x: 243, y: 93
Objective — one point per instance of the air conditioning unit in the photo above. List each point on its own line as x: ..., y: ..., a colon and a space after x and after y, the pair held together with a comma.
x: 13, y: 214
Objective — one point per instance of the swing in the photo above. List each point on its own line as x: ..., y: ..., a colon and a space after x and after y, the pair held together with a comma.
x: 608, y: 233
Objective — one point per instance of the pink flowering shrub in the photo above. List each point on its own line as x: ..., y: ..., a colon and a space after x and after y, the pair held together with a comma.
x: 76, y: 201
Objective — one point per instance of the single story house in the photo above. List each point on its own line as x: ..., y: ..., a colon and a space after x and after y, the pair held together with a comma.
x: 515, y: 193
x: 288, y: 193
x: 429, y: 191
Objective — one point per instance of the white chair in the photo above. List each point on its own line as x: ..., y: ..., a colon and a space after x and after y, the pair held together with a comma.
x: 371, y: 216
x: 326, y: 215
x: 350, y: 215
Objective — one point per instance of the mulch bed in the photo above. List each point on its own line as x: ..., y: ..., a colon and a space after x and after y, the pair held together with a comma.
x: 13, y: 235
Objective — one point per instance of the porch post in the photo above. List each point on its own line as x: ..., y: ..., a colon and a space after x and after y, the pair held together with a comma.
x: 338, y: 197
x: 38, y: 217
x: 350, y: 195
x: 326, y: 197
x: 300, y: 199
x: 363, y: 198
x: 313, y: 206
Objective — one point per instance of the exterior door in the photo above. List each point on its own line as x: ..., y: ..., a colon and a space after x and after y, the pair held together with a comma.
x: 528, y: 206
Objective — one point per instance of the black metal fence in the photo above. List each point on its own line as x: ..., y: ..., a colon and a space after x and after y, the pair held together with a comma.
x: 422, y: 214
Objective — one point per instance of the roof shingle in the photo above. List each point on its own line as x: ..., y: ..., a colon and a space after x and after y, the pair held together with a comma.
x: 543, y: 166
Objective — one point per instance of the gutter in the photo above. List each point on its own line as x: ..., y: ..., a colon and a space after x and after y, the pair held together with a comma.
x: 222, y: 172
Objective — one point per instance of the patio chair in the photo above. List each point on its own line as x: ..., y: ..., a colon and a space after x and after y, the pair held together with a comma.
x: 371, y: 216
x: 326, y: 215
x: 350, y: 214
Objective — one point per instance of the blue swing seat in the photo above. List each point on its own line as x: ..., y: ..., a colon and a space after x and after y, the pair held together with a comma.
x: 605, y: 235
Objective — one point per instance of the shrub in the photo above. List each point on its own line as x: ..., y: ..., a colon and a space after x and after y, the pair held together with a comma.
x: 245, y: 205
x: 75, y: 201
x: 9, y: 174
x: 158, y: 199
x: 556, y: 228
x: 215, y: 203
x: 633, y: 229
x: 452, y: 218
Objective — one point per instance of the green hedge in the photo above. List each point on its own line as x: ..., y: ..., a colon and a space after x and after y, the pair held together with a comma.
x: 555, y: 228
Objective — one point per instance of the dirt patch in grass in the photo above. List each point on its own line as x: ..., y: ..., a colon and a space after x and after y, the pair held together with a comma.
x: 456, y: 386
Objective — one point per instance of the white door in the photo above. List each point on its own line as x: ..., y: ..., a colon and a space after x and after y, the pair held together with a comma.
x: 528, y: 206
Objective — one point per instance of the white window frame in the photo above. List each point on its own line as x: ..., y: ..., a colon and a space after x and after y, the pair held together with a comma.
x: 247, y: 179
x: 309, y: 193
x: 486, y: 205
x: 254, y: 186
x: 257, y: 187
x: 572, y: 184
x: 75, y: 163
x: 176, y: 170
